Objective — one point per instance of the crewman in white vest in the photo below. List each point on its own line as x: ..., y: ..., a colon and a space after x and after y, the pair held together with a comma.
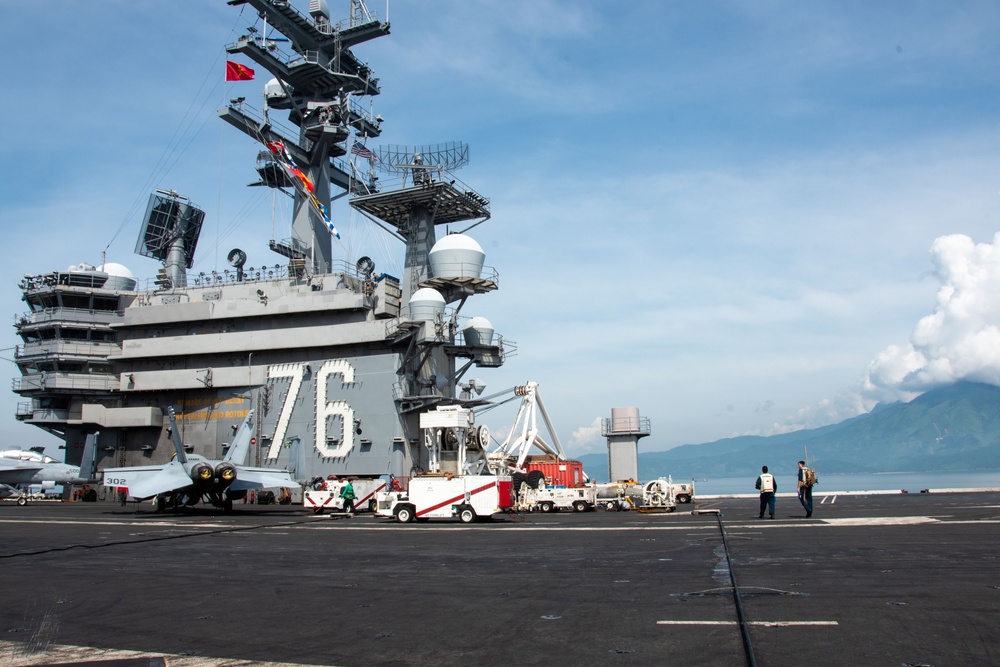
x: 767, y: 487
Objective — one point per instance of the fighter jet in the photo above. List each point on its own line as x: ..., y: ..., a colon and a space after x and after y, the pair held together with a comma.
x: 20, y: 468
x: 188, y: 478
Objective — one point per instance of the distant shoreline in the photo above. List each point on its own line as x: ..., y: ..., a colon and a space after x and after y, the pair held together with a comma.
x: 818, y: 494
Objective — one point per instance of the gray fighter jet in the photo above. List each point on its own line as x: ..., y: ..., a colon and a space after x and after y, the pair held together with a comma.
x: 20, y: 468
x: 188, y: 478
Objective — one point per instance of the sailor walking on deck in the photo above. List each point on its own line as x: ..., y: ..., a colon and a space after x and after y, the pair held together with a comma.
x: 806, y: 489
x: 767, y: 486
x: 347, y: 493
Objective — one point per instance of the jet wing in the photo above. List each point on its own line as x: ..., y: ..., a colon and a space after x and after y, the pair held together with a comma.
x: 148, y: 481
x: 261, y: 478
x: 18, y: 474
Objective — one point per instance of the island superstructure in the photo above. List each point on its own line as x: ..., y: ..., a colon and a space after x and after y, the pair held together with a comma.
x: 338, y: 360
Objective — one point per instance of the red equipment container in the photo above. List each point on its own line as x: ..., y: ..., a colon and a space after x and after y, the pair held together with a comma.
x: 557, y: 473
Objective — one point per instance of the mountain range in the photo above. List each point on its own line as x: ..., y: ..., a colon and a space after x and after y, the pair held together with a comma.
x: 950, y: 428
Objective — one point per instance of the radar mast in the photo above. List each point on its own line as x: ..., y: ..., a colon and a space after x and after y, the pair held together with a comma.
x: 318, y: 84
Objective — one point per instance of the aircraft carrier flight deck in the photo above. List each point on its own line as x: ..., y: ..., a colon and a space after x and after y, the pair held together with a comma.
x: 868, y: 580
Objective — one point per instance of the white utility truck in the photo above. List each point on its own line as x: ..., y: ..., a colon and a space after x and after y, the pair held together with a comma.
x: 465, y: 497
x: 457, y: 482
x: 551, y: 499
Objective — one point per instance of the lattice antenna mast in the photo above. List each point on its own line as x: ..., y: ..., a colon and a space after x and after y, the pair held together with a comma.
x: 425, y: 194
x: 421, y: 163
x: 360, y: 13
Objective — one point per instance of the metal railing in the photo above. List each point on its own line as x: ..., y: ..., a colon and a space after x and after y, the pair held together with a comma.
x: 47, y: 380
x: 625, y: 426
x: 75, y: 315
x: 64, y: 347
x: 460, y: 270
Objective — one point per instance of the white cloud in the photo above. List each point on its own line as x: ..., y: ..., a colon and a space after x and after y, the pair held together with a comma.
x: 587, y: 439
x: 960, y: 340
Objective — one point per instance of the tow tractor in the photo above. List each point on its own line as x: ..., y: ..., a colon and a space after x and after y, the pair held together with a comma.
x: 324, y: 495
x: 458, y: 483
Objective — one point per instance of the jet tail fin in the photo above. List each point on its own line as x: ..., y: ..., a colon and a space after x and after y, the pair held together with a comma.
x: 178, y: 447
x: 241, y: 442
x: 88, y: 463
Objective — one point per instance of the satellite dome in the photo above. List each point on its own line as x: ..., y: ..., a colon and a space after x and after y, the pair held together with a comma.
x: 457, y: 241
x: 478, y: 331
x: 457, y: 256
x: 115, y: 269
x: 119, y: 276
x: 425, y: 304
x: 275, y: 95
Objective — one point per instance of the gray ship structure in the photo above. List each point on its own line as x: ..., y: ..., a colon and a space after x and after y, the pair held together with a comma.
x: 337, y: 361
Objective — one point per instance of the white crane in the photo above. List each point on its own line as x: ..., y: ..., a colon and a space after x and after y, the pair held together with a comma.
x: 524, y: 434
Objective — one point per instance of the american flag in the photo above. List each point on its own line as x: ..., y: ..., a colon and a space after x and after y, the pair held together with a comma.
x: 359, y: 149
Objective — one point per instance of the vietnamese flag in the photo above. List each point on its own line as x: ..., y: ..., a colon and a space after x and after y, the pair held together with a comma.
x: 237, y: 72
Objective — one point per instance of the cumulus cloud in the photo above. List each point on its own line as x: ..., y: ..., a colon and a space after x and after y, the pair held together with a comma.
x: 587, y: 439
x: 960, y: 340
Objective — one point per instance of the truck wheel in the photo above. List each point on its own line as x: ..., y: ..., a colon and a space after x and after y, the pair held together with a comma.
x: 579, y: 506
x: 610, y: 507
x: 22, y: 501
x: 684, y: 498
x: 546, y: 507
x: 372, y: 505
x: 404, y: 514
x: 466, y: 515
x: 517, y: 479
x: 535, y: 477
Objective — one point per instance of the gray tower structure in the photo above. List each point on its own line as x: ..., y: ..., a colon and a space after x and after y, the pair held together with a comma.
x: 425, y: 194
x: 318, y: 84
x: 623, y: 431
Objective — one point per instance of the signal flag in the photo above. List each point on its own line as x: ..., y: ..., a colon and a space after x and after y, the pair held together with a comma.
x: 237, y: 72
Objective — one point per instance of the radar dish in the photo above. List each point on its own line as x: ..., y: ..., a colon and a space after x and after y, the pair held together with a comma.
x: 365, y: 266
x: 236, y: 258
x: 172, y: 223
x: 446, y: 157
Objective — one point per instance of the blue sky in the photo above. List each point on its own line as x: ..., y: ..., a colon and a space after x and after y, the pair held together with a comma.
x: 738, y: 217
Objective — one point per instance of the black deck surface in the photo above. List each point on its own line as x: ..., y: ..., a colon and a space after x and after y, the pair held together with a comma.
x: 869, y: 580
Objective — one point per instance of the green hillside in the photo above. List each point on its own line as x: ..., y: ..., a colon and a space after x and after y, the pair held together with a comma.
x: 956, y: 427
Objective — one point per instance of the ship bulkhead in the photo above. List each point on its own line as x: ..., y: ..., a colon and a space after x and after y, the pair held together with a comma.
x: 312, y: 356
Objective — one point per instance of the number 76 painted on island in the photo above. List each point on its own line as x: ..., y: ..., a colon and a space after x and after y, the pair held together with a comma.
x: 324, y: 409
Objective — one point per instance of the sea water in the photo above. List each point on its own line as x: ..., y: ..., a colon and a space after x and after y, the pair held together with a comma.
x: 911, y: 482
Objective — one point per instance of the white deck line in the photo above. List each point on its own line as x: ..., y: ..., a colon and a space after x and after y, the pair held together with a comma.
x: 766, y: 624
x: 833, y: 492
x: 13, y: 654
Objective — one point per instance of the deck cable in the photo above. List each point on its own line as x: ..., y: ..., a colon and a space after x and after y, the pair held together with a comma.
x: 737, y: 599
x: 158, y: 538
